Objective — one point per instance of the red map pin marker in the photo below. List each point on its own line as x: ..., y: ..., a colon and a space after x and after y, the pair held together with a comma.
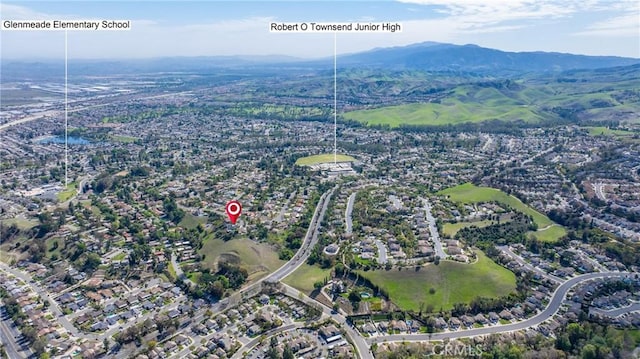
x: 233, y: 209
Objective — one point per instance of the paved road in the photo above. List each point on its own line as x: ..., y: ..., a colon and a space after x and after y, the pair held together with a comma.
x: 53, y: 305
x: 552, y: 308
x: 178, y: 270
x: 527, y: 265
x: 433, y: 229
x: 361, y: 345
x: 593, y: 262
x: 487, y: 144
x: 598, y: 188
x: 532, y: 158
x: 635, y: 307
x: 255, y: 341
x: 52, y: 113
x: 310, y: 240
x: 280, y: 217
x: 82, y: 183
x: 348, y: 220
x: 382, y: 252
x: 8, y: 334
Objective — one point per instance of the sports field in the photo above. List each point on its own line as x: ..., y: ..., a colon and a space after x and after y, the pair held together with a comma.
x: 453, y: 283
x: 324, y: 158
x: 69, y: 192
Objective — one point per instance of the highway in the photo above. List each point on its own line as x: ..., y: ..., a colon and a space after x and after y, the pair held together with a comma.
x: 310, y: 240
x: 361, y: 344
x: 552, y: 308
x: 53, y: 113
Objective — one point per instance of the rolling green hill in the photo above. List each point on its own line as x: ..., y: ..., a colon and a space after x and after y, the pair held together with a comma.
x: 453, y: 282
x: 548, y: 231
x: 576, y: 96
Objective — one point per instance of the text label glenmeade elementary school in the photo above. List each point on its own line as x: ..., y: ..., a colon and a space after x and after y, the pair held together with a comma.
x: 335, y: 27
x: 34, y: 25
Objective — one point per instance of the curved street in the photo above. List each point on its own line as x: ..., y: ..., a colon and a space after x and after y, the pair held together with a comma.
x: 361, y: 344
x: 550, y: 310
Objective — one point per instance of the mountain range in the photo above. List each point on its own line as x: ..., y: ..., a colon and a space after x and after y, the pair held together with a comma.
x: 426, y: 56
x: 432, y: 56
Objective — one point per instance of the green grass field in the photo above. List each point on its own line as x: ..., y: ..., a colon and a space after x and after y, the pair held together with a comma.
x: 194, y: 276
x: 23, y: 224
x: 530, y: 99
x: 69, y: 192
x: 325, y: 158
x: 258, y: 258
x: 304, y: 277
x: 190, y: 221
x: 604, y: 131
x: 470, y: 193
x: 454, y: 283
x: 467, y: 103
x: 51, y: 249
x: 550, y: 234
x: 120, y: 256
x: 451, y: 229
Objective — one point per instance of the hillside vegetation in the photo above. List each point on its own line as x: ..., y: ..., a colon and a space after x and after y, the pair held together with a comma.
x: 576, y: 96
x: 469, y: 193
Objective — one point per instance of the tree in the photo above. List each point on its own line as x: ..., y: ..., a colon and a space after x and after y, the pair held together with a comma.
x: 589, y: 351
x: 339, y: 269
x: 152, y: 344
x: 272, y: 353
x: 354, y: 296
x: 91, y: 262
x: 287, y: 353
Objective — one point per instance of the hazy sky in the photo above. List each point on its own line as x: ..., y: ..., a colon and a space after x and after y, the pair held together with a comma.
x: 205, y: 28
